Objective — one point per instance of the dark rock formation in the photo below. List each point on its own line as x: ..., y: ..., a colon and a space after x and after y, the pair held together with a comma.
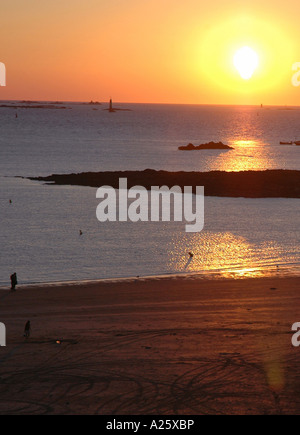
x: 250, y: 184
x: 206, y: 146
x: 39, y: 106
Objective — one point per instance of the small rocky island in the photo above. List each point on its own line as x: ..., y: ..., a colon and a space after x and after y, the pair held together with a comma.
x: 206, y: 146
x: 33, y: 106
x: 275, y: 183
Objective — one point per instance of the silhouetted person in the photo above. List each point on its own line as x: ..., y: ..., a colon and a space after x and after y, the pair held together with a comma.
x: 80, y: 233
x: 27, y: 329
x: 191, y: 254
x: 10, y: 201
x: 14, y: 281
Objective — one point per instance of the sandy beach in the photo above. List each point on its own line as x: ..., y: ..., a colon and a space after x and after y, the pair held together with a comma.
x: 161, y: 346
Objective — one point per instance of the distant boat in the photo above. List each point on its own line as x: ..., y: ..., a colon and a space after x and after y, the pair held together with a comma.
x: 286, y: 143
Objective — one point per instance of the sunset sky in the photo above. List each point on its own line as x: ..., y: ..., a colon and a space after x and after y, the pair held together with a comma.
x: 152, y: 51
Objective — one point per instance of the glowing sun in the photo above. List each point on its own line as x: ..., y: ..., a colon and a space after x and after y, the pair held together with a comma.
x: 246, y: 61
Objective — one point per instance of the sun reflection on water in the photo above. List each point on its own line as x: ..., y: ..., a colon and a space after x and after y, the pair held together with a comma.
x: 225, y: 253
x: 249, y: 155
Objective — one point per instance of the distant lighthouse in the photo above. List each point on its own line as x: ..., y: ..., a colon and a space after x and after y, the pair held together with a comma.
x: 111, y: 109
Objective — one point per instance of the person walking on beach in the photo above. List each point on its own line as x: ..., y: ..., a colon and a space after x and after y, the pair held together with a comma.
x: 27, y: 330
x: 14, y: 281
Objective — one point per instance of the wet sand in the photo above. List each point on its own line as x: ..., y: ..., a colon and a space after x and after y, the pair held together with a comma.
x: 155, y: 346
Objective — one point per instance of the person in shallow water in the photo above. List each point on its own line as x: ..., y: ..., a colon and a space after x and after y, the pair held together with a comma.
x: 27, y: 329
x: 14, y: 281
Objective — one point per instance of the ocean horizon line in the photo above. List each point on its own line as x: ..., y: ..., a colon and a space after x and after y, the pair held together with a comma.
x: 147, y: 103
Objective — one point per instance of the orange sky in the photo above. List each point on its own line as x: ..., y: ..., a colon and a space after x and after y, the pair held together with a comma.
x: 156, y: 51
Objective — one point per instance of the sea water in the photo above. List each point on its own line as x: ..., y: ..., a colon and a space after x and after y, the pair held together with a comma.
x: 40, y: 229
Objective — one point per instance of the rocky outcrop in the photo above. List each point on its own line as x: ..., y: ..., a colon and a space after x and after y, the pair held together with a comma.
x: 249, y: 184
x: 206, y: 146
